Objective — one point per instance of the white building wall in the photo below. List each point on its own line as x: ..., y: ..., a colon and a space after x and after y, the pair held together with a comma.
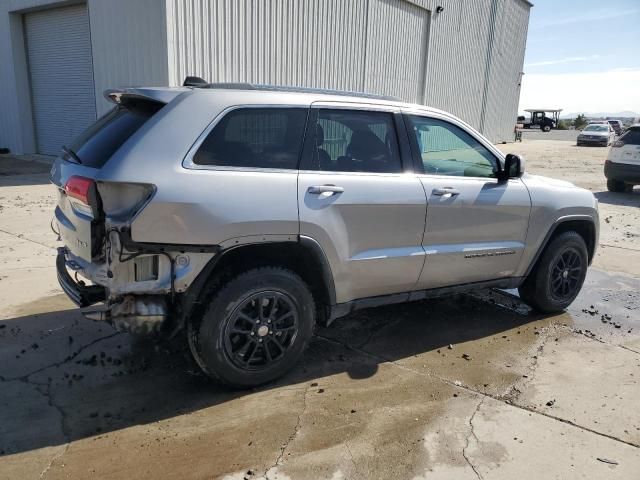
x: 129, y: 43
x: 473, y: 62
x: 129, y: 47
x: 356, y: 45
x: 317, y: 43
x: 503, y: 92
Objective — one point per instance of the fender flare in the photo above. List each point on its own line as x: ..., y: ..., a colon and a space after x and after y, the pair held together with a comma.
x: 554, y: 228
x: 192, y: 294
x: 327, y: 276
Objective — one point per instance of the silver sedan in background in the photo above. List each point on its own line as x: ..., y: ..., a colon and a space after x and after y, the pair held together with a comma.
x: 597, y: 134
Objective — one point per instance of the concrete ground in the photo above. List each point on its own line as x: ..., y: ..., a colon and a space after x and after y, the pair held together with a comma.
x: 469, y: 387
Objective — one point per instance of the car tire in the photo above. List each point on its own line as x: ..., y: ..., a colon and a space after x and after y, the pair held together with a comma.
x: 546, y: 128
x: 557, y: 277
x: 255, y: 329
x: 616, y: 186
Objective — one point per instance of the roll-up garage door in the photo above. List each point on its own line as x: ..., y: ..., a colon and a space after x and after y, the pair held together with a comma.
x: 61, y: 73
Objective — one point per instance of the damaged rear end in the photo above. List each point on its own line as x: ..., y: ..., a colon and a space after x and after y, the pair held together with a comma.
x: 113, y: 278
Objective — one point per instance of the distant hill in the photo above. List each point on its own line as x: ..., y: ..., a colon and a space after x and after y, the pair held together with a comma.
x: 623, y: 114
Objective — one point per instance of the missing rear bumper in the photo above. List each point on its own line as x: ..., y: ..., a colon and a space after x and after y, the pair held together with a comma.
x: 82, y: 295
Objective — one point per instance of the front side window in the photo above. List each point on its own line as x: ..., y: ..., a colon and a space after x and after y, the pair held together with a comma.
x: 356, y: 141
x: 255, y: 138
x: 446, y: 149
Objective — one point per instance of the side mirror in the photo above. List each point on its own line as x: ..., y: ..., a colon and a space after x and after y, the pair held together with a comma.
x: 513, y: 167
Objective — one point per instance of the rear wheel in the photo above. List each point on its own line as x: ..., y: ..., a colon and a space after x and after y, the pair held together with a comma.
x: 616, y: 186
x: 255, y: 329
x: 558, y: 276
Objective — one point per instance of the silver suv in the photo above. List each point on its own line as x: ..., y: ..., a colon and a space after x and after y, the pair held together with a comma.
x: 241, y: 215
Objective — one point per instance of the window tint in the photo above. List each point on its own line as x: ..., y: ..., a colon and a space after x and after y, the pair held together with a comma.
x: 356, y: 141
x: 448, y: 150
x: 631, y: 137
x: 100, y: 141
x: 255, y: 137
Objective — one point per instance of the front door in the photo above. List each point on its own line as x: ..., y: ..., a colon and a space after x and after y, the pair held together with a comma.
x: 357, y: 202
x: 476, y: 225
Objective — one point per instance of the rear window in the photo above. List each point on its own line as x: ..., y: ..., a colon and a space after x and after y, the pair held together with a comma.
x: 99, y: 142
x: 631, y: 137
x: 255, y: 138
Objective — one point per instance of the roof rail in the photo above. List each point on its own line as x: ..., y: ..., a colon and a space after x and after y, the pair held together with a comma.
x: 200, y: 83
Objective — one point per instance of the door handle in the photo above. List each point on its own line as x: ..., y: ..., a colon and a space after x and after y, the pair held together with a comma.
x: 329, y: 189
x: 448, y: 191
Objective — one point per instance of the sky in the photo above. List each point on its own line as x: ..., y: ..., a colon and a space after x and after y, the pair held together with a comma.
x: 583, y: 56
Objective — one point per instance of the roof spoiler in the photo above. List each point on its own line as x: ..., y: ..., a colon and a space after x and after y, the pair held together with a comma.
x: 157, y: 95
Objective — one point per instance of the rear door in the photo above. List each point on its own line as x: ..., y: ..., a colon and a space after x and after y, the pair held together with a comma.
x: 358, y: 202
x: 476, y: 225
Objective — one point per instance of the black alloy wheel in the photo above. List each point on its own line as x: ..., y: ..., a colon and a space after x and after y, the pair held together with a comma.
x: 260, y: 330
x: 557, y: 277
x: 565, y: 275
x: 255, y: 329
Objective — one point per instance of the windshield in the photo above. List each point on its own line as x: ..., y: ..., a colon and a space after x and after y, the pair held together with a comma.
x: 596, y: 128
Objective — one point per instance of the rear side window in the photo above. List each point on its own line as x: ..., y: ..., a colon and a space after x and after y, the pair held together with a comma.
x: 255, y: 138
x: 631, y: 137
x: 356, y: 141
x: 100, y: 141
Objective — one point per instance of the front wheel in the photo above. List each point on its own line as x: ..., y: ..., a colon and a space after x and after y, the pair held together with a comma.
x: 255, y: 329
x: 558, y: 276
x: 546, y: 128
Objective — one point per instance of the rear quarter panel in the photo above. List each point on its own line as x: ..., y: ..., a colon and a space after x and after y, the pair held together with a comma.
x: 204, y: 207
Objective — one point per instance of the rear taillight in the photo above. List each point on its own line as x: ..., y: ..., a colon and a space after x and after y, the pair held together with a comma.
x: 82, y: 191
x: 79, y: 187
x: 618, y: 143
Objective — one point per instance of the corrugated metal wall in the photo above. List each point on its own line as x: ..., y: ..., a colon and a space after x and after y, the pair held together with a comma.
x: 465, y: 60
x: 129, y: 42
x: 313, y: 43
x: 374, y: 45
x: 457, y: 58
x: 366, y: 45
x: 503, y: 92
x: 396, y: 49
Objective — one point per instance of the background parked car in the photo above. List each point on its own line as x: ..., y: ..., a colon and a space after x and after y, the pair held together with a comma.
x: 622, y: 167
x: 596, y: 134
x: 617, y: 126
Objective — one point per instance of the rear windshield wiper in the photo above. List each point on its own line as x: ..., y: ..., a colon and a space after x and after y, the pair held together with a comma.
x: 71, y: 153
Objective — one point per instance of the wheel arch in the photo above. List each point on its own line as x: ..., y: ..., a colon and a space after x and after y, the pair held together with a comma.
x: 583, y: 225
x: 303, y: 256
